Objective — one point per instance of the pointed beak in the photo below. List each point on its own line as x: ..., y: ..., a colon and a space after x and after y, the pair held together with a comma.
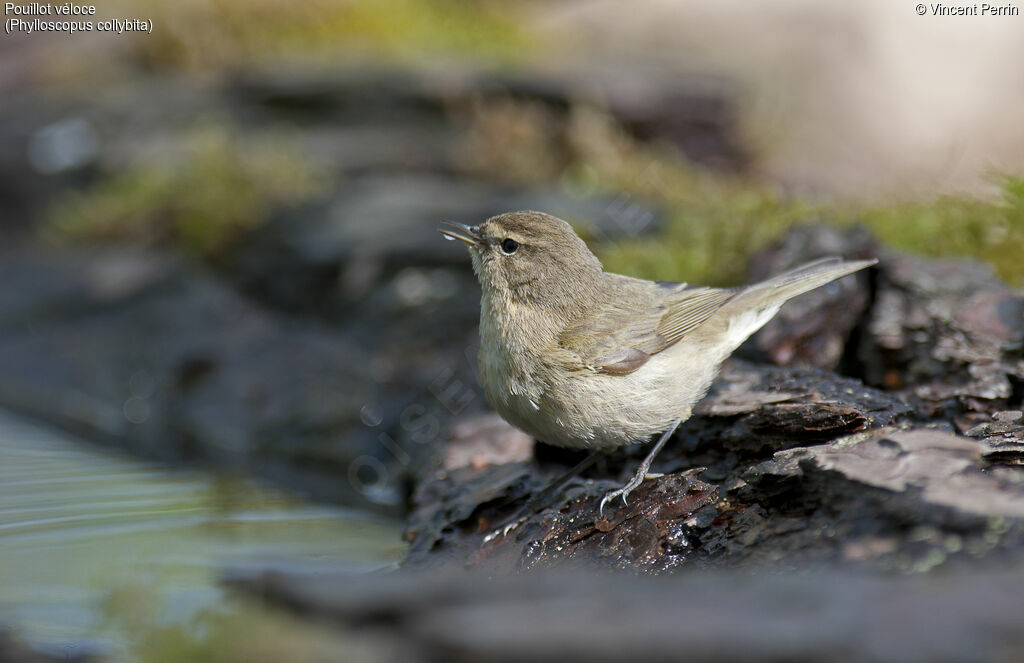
x: 466, y: 234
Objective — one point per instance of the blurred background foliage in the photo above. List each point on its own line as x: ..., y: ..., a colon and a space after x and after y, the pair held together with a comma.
x: 209, y: 37
x: 225, y: 184
x: 229, y: 179
x: 203, y: 35
x: 222, y: 186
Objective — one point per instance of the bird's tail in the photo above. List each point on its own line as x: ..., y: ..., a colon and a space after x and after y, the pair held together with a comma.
x: 804, y: 278
x: 755, y: 305
x: 811, y: 275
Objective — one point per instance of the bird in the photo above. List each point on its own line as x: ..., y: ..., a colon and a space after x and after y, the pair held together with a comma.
x: 582, y: 358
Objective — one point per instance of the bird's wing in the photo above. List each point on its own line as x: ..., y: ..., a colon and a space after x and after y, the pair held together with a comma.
x: 619, y: 337
x: 644, y: 318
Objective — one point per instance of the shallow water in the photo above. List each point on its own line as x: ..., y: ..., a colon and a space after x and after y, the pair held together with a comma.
x: 78, y: 523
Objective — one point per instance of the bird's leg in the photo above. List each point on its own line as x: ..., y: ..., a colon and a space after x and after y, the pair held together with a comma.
x: 641, y: 472
x: 544, y: 498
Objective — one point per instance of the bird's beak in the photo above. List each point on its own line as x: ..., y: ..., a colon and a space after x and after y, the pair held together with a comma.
x: 466, y: 234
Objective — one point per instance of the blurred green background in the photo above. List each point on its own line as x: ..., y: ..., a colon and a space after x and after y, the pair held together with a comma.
x: 880, y: 123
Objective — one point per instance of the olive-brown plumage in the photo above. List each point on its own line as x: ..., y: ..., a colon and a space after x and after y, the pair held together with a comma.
x: 579, y: 357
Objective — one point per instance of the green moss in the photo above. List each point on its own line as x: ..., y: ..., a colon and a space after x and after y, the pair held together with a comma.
x: 236, y: 32
x: 221, y: 188
x: 708, y: 239
x: 708, y: 236
x: 992, y: 231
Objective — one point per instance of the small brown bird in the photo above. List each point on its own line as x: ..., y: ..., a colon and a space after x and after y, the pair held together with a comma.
x: 583, y: 358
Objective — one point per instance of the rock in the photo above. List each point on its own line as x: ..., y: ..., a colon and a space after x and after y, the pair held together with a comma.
x: 893, y: 498
x: 755, y: 407
x: 142, y: 350
x: 1007, y: 423
x: 896, y: 499
x: 948, y: 334
x: 440, y: 527
x: 753, y: 411
x: 357, y: 122
x: 56, y: 140
x: 650, y: 537
x: 321, y: 258
x: 819, y: 615
x: 945, y: 333
x: 1002, y: 432
x: 697, y: 114
x: 486, y: 439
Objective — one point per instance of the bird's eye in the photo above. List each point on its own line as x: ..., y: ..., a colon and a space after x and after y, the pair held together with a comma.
x: 509, y: 246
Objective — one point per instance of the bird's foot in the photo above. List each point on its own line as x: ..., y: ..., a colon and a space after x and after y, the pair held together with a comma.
x: 631, y: 485
x: 641, y: 472
x: 508, y: 528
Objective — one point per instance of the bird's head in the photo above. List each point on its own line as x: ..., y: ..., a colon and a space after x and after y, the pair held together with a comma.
x: 528, y: 258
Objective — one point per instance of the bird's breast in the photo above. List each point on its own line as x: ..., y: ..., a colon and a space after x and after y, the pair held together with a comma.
x: 512, y: 365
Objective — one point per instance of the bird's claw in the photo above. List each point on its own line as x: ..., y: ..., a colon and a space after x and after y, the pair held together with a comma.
x: 504, y: 531
x: 630, y: 486
x: 609, y: 496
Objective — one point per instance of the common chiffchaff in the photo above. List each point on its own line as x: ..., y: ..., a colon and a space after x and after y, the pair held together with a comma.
x: 583, y: 358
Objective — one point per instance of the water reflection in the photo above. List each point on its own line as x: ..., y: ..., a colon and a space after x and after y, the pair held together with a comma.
x: 78, y: 523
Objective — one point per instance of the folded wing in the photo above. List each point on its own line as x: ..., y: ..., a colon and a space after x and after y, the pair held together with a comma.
x: 619, y: 338
x: 643, y: 318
